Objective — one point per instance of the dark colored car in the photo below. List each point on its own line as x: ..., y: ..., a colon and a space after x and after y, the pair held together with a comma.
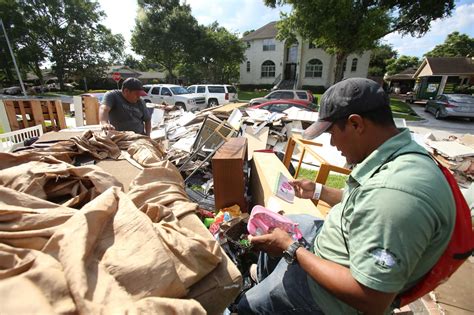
x: 451, y: 105
x: 280, y: 106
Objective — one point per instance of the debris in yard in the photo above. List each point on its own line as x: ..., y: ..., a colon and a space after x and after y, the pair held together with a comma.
x: 455, y: 153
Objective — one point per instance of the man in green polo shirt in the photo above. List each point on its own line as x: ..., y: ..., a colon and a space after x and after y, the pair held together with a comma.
x: 386, y: 229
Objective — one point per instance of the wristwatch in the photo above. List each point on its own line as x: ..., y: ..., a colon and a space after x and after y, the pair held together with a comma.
x: 290, y: 253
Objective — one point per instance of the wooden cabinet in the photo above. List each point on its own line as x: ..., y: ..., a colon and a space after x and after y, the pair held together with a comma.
x: 229, y: 166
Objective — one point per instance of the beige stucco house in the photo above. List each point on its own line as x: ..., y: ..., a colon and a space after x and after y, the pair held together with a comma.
x: 269, y: 61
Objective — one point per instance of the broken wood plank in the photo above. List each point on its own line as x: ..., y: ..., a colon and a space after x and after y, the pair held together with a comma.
x: 256, y: 141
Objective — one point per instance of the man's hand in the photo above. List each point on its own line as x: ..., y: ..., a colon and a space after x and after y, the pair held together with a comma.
x: 274, y: 243
x: 303, y: 188
x: 107, y: 126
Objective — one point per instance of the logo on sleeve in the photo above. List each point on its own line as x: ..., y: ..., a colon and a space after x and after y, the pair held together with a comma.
x: 384, y: 258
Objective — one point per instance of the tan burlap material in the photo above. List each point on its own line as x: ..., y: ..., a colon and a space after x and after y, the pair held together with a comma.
x: 71, y: 241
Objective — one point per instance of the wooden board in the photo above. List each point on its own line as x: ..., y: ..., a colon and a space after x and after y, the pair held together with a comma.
x: 256, y: 142
x: 265, y: 169
x: 230, y: 181
x: 24, y: 113
x: 90, y: 106
x: 228, y: 108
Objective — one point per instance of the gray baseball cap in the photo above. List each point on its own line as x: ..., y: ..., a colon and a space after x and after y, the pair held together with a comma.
x: 133, y: 84
x: 347, y: 97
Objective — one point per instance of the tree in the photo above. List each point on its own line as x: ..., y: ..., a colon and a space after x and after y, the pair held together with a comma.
x: 67, y: 33
x: 27, y: 52
x: 455, y: 45
x: 379, y: 57
x: 248, y: 32
x: 219, y: 56
x: 395, y: 66
x: 166, y: 33
x: 342, y: 27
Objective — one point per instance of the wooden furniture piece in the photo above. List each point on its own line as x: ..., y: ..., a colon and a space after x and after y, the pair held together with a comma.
x: 322, y: 177
x: 324, y: 167
x: 228, y: 170
x: 265, y: 170
x: 90, y: 107
x: 15, y: 139
x: 24, y: 113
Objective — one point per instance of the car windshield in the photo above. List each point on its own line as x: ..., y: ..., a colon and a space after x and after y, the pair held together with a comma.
x: 178, y: 90
x: 146, y: 88
x: 461, y: 98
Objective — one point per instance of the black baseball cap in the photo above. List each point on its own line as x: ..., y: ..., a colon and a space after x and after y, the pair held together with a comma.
x: 347, y: 97
x: 133, y: 84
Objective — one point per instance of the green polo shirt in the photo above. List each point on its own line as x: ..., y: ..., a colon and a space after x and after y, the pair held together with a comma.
x: 396, y: 220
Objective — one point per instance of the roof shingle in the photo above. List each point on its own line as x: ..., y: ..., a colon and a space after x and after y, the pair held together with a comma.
x: 266, y: 31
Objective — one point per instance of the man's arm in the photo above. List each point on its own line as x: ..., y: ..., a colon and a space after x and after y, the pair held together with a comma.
x: 104, y: 117
x: 305, y: 189
x: 148, y: 127
x: 335, y: 278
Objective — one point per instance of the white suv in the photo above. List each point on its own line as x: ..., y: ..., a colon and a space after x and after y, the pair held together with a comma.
x: 173, y: 95
x: 215, y: 94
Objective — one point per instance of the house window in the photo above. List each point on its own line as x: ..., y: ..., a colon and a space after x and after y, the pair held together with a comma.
x: 344, y: 65
x: 268, y: 69
x: 354, y: 65
x: 248, y: 66
x: 311, y: 46
x: 314, y: 68
x: 248, y: 44
x: 269, y: 44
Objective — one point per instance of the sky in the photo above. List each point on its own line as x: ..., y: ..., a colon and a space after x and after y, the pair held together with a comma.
x: 239, y: 16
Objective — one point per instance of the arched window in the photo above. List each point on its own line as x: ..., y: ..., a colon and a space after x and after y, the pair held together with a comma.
x: 248, y: 66
x: 354, y: 65
x: 268, y: 69
x: 314, y: 68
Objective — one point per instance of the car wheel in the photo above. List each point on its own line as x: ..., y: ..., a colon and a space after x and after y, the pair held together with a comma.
x: 181, y: 105
x: 438, y: 114
x: 213, y: 102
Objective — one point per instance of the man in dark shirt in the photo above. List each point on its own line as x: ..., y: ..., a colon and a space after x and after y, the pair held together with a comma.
x: 123, y: 110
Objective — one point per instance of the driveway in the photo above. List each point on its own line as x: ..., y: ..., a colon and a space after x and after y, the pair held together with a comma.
x: 440, y: 128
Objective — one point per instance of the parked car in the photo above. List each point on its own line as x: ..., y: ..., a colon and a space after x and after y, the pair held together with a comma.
x: 99, y: 96
x: 13, y: 90
x: 451, y: 105
x: 280, y: 106
x: 215, y: 94
x: 173, y: 95
x: 285, y: 95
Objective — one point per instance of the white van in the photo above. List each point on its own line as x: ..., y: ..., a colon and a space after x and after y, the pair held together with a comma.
x: 215, y: 94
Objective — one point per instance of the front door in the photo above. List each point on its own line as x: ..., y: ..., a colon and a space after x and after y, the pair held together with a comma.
x: 290, y: 71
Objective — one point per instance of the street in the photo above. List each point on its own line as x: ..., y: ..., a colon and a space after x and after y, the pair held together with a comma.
x: 440, y: 128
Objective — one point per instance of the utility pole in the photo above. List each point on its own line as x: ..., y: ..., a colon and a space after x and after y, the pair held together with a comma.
x: 13, y: 57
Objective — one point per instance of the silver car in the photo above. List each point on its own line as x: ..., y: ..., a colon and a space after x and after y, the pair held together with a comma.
x: 285, y: 95
x: 451, y: 105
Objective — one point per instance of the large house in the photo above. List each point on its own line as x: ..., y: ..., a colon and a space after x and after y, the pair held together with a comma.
x: 269, y: 61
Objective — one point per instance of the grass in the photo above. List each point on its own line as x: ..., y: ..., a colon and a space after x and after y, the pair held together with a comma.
x: 401, y: 109
x: 334, y: 181
x: 248, y: 95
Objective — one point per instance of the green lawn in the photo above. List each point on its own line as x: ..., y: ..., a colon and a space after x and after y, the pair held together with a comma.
x: 248, y: 95
x: 335, y: 181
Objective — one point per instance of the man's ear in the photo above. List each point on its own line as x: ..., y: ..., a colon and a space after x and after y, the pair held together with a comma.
x: 357, y: 123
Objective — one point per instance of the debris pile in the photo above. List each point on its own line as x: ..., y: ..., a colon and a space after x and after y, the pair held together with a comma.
x: 192, y: 138
x: 457, y: 154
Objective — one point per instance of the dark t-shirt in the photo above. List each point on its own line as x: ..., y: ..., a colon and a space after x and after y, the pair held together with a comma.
x: 125, y: 116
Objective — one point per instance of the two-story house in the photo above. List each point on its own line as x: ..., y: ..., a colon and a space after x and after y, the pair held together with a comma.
x: 301, y: 65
